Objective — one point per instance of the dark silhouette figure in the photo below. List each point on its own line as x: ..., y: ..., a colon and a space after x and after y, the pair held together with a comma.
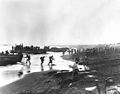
x: 42, y: 60
x: 28, y: 59
x: 28, y: 62
x: 2, y: 52
x: 7, y: 53
x: 20, y: 73
x: 51, y: 60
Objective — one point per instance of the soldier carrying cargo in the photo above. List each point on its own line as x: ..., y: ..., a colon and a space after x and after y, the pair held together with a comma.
x: 42, y: 60
x: 51, y: 60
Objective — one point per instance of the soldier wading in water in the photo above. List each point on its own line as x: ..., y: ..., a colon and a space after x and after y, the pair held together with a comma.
x: 28, y: 63
x: 42, y: 61
x: 50, y: 62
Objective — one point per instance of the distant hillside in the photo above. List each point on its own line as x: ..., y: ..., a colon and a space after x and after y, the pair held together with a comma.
x: 77, y: 46
x: 89, y: 45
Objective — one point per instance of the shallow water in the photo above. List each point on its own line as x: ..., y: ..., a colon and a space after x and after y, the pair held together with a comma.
x: 9, y: 73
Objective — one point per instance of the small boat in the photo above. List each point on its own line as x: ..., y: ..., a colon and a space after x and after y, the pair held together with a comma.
x: 9, y: 59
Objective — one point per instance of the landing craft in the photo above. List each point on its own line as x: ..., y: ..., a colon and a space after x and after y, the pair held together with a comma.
x: 9, y: 59
x: 28, y: 49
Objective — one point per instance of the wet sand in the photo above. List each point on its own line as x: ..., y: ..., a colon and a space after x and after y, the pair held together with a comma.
x: 48, y: 82
x: 54, y: 82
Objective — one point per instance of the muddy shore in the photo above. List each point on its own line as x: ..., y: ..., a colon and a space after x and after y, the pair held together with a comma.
x: 55, y: 82
x: 61, y: 82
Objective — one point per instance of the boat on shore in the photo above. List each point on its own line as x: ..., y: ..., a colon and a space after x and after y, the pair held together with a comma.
x: 9, y: 59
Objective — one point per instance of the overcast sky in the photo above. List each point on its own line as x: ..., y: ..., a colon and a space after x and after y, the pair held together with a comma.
x: 48, y: 22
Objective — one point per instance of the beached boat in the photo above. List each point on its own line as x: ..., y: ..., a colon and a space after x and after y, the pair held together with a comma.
x: 9, y: 59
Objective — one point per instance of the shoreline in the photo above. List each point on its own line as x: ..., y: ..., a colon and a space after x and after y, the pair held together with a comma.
x: 57, y: 82
x: 47, y: 82
x: 54, y: 82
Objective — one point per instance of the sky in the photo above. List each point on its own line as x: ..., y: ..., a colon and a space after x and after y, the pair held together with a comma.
x: 59, y: 22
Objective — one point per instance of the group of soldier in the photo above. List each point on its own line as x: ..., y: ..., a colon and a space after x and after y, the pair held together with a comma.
x: 27, y: 63
x: 42, y: 58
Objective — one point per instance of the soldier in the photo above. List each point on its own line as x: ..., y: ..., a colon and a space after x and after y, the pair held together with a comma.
x: 6, y: 52
x: 28, y: 59
x: 42, y: 60
x: 75, y: 70
x: 51, y: 60
x: 28, y: 63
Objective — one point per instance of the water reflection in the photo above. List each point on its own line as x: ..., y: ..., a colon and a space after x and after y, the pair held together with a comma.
x: 50, y: 67
x: 42, y: 68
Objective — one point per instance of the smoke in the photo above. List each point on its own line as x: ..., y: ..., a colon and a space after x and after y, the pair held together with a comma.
x: 58, y: 21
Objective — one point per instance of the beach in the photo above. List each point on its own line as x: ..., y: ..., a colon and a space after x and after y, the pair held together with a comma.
x: 55, y: 82
x: 59, y: 79
x: 47, y: 82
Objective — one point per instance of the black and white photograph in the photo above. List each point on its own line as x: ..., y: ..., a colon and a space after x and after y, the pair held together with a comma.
x: 59, y: 46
